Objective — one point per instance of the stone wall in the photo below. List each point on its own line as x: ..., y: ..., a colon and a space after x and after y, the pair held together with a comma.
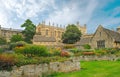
x: 98, y: 58
x: 39, y: 70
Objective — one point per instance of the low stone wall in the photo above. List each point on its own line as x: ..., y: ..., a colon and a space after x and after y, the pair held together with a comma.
x: 39, y: 70
x: 98, y: 58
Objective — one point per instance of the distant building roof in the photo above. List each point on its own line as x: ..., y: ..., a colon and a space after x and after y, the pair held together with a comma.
x: 10, y: 29
x: 115, y: 35
x: 39, y: 38
x: 84, y: 40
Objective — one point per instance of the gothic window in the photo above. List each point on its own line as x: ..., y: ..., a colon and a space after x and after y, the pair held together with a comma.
x: 100, y: 33
x: 101, y: 44
x: 55, y: 33
x: 47, y: 32
x: 39, y: 29
x: 59, y: 34
x: 51, y: 33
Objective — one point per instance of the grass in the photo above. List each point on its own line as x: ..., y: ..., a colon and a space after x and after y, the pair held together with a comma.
x: 95, y: 69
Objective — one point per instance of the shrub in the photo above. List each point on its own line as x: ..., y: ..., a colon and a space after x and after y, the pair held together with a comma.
x: 12, y: 46
x: 16, y: 38
x: 17, y: 44
x: 54, y: 52
x: 101, y: 51
x: 6, y: 61
x: 88, y: 53
x: 19, y: 50
x: 68, y: 46
x: 74, y: 50
x: 66, y: 54
x: 87, y: 46
x: 1, y: 50
x: 2, y: 41
x: 32, y: 50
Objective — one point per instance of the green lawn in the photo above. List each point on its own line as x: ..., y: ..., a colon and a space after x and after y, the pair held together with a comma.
x: 95, y: 69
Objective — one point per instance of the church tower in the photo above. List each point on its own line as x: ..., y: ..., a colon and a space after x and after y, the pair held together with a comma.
x: 83, y: 29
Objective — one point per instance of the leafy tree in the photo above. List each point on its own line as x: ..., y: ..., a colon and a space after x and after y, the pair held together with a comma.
x: 2, y: 41
x: 71, y: 35
x: 29, y: 30
x: 16, y: 38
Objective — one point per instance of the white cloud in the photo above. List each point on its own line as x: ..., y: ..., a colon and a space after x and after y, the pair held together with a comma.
x: 27, y: 8
x: 11, y: 10
x: 73, y: 11
x: 14, y: 12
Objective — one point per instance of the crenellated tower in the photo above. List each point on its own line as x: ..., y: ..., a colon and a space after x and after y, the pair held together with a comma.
x: 83, y: 29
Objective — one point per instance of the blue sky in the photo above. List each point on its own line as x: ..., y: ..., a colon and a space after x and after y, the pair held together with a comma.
x: 13, y: 13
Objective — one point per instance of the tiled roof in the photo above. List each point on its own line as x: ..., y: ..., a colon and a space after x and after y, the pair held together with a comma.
x: 10, y: 29
x: 115, y: 35
x: 83, y: 41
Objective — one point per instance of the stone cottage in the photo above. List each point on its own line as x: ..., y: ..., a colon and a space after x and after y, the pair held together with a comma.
x: 102, y: 38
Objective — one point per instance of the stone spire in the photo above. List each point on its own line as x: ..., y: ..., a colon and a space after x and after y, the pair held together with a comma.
x: 64, y: 26
x: 57, y: 25
x: 53, y: 24
x: 43, y: 22
x: 49, y: 23
x: 60, y: 26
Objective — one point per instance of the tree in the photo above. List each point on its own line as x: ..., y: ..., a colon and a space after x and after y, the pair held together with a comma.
x: 16, y: 38
x: 29, y: 30
x: 71, y: 35
x: 2, y: 41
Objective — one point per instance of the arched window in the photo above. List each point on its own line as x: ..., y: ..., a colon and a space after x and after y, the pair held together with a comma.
x: 55, y: 33
x: 58, y: 34
x: 47, y: 32
x: 39, y: 30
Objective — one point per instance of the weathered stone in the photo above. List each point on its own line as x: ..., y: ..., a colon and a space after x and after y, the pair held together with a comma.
x: 39, y: 70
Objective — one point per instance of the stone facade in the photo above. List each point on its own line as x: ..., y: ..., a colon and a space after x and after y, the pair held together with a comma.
x: 41, y: 69
x: 7, y: 33
x: 51, y: 32
x: 105, y: 38
x: 102, y: 38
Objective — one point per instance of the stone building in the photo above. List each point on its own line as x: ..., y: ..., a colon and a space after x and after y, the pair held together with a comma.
x: 102, y: 38
x: 7, y: 33
x: 51, y: 34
